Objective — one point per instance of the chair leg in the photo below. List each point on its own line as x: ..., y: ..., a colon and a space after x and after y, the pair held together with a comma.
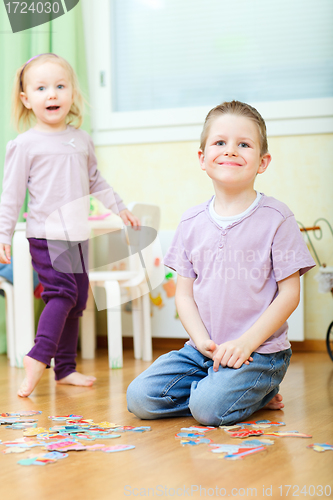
x: 88, y: 338
x: 137, y: 320
x: 10, y: 327
x: 147, y: 349
x: 115, y: 343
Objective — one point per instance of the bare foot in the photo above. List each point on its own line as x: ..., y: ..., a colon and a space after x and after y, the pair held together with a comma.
x: 76, y: 378
x: 33, y: 371
x: 275, y: 403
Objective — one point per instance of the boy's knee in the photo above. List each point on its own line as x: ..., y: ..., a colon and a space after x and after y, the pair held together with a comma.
x: 213, y: 414
x: 138, y: 401
x: 204, y: 410
x: 213, y: 408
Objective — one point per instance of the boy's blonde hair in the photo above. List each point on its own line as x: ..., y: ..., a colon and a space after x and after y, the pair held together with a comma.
x: 240, y: 109
x: 23, y: 118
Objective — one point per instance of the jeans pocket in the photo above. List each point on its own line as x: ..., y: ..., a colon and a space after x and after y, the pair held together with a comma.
x: 178, y: 384
x: 280, y: 363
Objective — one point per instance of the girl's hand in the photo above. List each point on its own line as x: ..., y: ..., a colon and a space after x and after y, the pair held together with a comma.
x: 232, y: 354
x: 129, y: 218
x: 4, y: 253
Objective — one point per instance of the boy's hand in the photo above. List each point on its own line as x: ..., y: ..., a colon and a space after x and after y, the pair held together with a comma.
x: 129, y: 218
x: 232, y: 354
x: 4, y: 253
x: 207, y: 348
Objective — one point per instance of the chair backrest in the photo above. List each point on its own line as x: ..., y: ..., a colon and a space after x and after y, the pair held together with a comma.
x: 150, y: 216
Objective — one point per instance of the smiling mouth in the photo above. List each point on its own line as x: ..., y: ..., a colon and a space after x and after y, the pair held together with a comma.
x: 230, y: 163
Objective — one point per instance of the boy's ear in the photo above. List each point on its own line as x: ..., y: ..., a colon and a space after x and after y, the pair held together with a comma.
x: 201, y: 157
x: 265, y: 161
x: 24, y: 99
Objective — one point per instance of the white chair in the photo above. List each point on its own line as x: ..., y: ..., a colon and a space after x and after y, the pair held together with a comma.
x: 121, y: 286
x: 10, y: 322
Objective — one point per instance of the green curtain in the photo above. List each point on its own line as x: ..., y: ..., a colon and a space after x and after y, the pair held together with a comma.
x: 63, y: 36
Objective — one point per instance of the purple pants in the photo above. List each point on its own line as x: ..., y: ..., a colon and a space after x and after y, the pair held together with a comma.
x: 65, y: 296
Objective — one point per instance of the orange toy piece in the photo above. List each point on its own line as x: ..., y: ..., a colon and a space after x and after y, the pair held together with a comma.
x: 170, y: 288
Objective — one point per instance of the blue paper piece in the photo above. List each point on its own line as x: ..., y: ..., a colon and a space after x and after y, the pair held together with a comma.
x: 29, y: 461
x: 188, y: 435
x: 57, y: 455
x: 104, y: 435
x: 22, y: 425
x: 196, y: 442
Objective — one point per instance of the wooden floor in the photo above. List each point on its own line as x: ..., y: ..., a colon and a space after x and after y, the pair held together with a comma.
x: 159, y: 467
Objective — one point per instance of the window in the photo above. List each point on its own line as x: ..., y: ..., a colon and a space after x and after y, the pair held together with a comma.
x: 158, y: 66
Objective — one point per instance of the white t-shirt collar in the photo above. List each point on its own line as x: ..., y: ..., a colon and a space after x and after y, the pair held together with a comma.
x: 227, y: 221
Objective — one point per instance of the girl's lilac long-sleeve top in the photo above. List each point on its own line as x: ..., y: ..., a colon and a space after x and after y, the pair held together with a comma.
x: 60, y: 171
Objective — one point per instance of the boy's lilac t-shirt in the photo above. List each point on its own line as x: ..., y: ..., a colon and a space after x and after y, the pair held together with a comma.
x: 236, y: 269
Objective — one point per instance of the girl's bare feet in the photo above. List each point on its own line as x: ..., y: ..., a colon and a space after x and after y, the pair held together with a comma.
x: 33, y: 371
x: 76, y: 378
x: 275, y: 403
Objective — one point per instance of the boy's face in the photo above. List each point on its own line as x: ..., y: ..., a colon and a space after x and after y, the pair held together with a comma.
x: 232, y: 153
x: 48, y: 92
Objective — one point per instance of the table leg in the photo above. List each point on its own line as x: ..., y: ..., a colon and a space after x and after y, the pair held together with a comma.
x: 23, y: 297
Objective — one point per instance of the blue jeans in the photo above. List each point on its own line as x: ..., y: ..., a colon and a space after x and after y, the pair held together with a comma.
x: 183, y: 383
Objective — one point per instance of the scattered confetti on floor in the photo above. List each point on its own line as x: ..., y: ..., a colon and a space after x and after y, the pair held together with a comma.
x: 74, y: 433
x: 257, y: 430
x: 71, y: 433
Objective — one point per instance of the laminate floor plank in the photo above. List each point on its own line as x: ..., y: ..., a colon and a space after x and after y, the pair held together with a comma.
x: 159, y: 467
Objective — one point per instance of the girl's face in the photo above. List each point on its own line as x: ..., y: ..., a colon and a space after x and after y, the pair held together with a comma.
x: 232, y: 153
x: 49, y: 93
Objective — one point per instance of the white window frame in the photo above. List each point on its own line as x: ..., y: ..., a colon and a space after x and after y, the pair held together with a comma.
x: 283, y: 118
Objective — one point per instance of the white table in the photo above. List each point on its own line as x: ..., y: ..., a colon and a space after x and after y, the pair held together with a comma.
x: 24, y: 322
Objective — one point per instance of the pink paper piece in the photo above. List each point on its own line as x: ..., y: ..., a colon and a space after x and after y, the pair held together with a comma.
x: 23, y: 443
x: 99, y: 217
x: 47, y: 436
x: 19, y: 441
x: 244, y: 433
x: 65, y: 445
x: 27, y: 413
x: 287, y: 434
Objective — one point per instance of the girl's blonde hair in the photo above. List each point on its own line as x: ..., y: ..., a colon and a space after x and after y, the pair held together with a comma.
x: 240, y: 109
x: 23, y: 118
